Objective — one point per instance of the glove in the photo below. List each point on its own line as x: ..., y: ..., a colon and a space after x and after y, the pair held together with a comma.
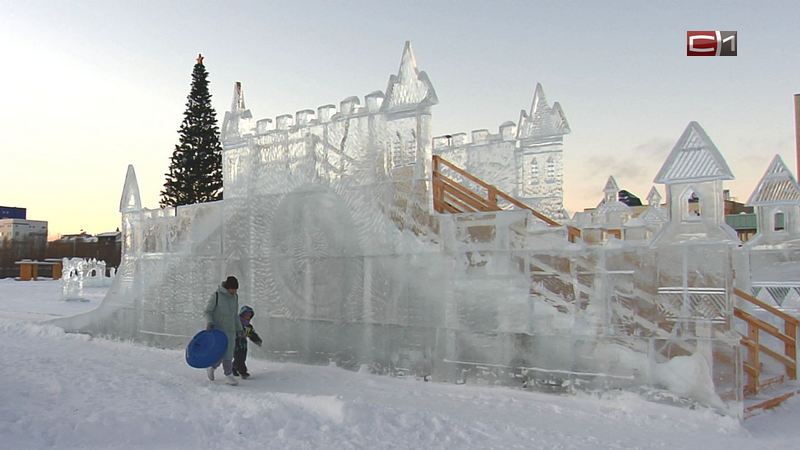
x: 258, y: 342
x: 209, y: 326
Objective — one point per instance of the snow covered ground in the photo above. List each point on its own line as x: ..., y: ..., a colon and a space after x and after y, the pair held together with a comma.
x: 70, y: 391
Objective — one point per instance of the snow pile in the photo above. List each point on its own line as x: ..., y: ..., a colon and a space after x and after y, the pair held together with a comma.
x: 688, y: 376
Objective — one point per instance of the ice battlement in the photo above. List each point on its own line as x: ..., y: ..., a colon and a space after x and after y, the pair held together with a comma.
x: 410, y: 90
x: 506, y: 132
x: 348, y: 108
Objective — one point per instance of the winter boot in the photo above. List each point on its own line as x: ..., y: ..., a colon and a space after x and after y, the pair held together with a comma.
x: 210, y: 373
x: 229, y: 379
x: 245, y: 375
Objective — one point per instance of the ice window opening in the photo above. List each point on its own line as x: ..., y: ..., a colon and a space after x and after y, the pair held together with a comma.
x: 534, y: 172
x: 693, y: 207
x: 404, y: 150
x: 778, y: 221
x: 551, y: 169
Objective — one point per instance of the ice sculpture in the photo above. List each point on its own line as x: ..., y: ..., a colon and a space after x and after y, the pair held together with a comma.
x: 80, y: 272
x: 328, y: 223
x: 525, y: 160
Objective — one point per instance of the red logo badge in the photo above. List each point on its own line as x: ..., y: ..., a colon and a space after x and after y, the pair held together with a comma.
x: 711, y: 43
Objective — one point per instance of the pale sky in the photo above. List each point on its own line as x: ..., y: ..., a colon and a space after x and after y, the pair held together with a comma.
x: 88, y: 87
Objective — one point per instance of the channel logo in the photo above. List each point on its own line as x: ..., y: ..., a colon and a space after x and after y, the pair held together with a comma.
x: 711, y: 43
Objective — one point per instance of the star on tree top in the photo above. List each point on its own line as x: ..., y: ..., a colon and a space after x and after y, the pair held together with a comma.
x: 199, y: 58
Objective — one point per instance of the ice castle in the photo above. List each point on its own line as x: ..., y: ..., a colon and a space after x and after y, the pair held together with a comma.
x: 362, y: 240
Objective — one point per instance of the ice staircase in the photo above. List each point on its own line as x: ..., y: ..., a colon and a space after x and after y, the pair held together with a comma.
x: 560, y: 284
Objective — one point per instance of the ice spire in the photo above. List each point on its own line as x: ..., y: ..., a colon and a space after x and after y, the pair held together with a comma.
x: 411, y: 87
x: 654, y: 198
x: 611, y: 190
x: 237, y: 105
x: 777, y: 186
x: 542, y: 121
x: 539, y: 103
x: 694, y: 158
x: 238, y: 121
x: 130, y: 201
x: 408, y: 65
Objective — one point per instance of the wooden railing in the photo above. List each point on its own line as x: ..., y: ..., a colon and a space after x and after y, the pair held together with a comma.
x: 450, y: 196
x: 755, y: 349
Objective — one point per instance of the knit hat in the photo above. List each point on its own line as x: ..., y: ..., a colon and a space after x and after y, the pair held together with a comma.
x: 246, y: 309
x: 231, y: 283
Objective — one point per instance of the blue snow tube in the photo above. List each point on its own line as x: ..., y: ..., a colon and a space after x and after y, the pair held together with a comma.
x: 206, y: 348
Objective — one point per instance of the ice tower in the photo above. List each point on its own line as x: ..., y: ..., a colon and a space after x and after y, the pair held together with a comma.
x: 693, y: 174
x: 541, y: 139
x: 774, y: 251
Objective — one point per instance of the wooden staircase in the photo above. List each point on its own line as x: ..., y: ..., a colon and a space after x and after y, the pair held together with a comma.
x: 764, y: 391
x: 451, y: 196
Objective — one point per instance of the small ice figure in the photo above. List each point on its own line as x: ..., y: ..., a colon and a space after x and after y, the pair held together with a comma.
x: 79, y: 273
x: 72, y: 279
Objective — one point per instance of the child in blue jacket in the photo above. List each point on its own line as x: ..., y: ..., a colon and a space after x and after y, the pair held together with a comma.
x: 246, y: 314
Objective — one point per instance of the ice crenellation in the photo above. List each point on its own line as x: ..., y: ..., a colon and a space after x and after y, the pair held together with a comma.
x: 330, y: 222
x: 409, y: 90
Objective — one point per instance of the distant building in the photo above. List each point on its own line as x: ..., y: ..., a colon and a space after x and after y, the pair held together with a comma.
x: 10, y: 212
x: 79, y: 237
x: 628, y: 198
x: 20, y: 229
x: 109, y: 237
x: 740, y: 217
x: 20, y: 239
x: 103, y: 247
x: 745, y: 224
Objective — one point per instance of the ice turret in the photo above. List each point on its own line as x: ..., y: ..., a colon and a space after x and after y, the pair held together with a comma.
x: 693, y: 174
x: 542, y: 122
x: 130, y: 201
x: 611, y: 190
x: 130, y: 205
x: 777, y: 186
x: 777, y: 203
x: 694, y: 158
x: 238, y: 121
x: 654, y: 198
x: 410, y: 88
x: 612, y: 213
x: 653, y: 216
